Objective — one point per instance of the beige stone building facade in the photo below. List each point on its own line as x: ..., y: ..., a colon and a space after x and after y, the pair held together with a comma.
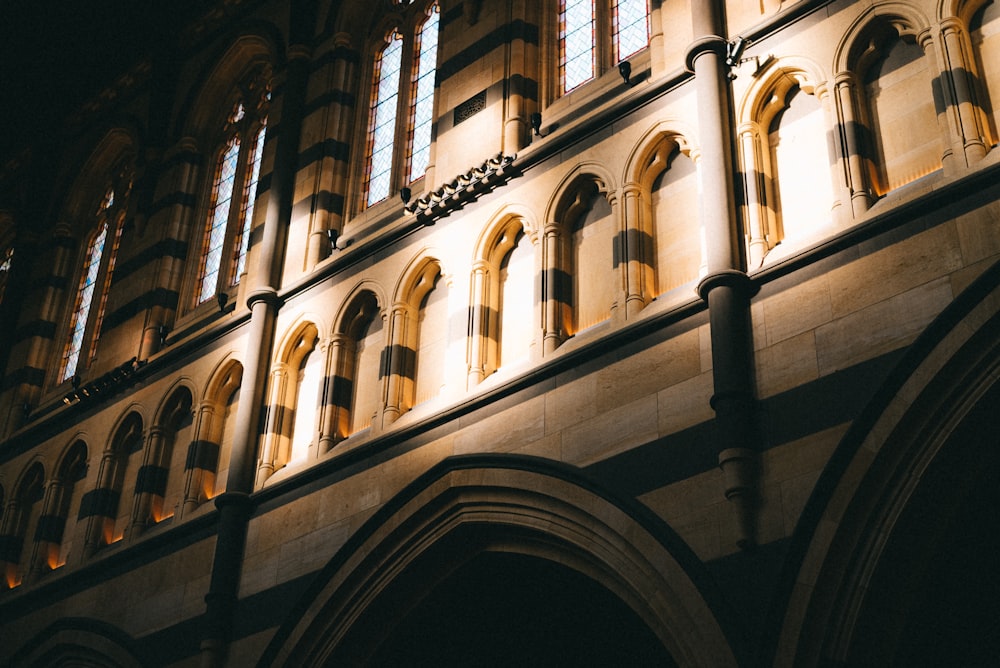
x: 469, y: 332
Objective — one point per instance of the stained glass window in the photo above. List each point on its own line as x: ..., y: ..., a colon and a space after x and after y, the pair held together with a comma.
x: 423, y: 96
x: 631, y: 27
x: 88, y: 291
x: 249, y: 196
x: 215, y: 232
x: 6, y: 259
x: 576, y: 43
x: 381, y: 137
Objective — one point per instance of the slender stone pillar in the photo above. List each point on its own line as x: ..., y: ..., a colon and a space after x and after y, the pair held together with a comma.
x: 726, y: 288
x: 753, y: 193
x: 331, y: 170
x: 333, y: 416
x: 479, y: 327
x: 852, y: 148
x: 553, y: 328
x: 970, y: 129
x: 634, y: 254
x: 395, y: 369
x: 235, y: 504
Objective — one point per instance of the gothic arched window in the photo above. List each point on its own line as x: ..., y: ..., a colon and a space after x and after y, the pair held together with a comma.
x: 596, y: 35
x: 402, y: 108
x: 226, y: 238
x: 92, y: 288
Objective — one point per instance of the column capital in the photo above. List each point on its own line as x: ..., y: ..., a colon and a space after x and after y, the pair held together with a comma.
x: 731, y: 278
x: 701, y: 46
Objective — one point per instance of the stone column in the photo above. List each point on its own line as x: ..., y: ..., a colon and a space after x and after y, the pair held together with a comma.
x: 753, y: 193
x: 852, y: 149
x: 234, y: 504
x: 394, y: 399
x: 142, y: 511
x: 331, y: 172
x: 553, y: 325
x: 479, y: 325
x: 634, y: 254
x: 334, y: 414
x: 966, y: 115
x: 169, y: 269
x: 726, y: 288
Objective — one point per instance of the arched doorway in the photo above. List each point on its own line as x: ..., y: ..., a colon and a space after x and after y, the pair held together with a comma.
x: 510, y: 560
x: 510, y: 609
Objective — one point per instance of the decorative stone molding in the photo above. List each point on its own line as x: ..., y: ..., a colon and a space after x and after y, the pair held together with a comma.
x: 463, y: 188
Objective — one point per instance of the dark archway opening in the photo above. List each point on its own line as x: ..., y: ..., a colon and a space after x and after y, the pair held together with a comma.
x: 934, y: 598
x: 505, y: 609
x: 954, y: 619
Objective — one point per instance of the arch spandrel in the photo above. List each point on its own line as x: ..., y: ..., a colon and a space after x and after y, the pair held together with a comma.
x: 844, y: 528
x: 468, y: 505
x: 650, y: 155
x: 852, y: 51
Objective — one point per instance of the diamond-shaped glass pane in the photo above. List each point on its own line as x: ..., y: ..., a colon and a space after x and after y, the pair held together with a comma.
x: 249, y: 198
x: 631, y: 30
x: 383, y: 115
x: 215, y: 231
x: 423, y: 99
x: 576, y: 43
x: 84, y: 299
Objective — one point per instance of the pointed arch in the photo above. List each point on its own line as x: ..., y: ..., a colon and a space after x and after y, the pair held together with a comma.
x: 504, y: 293
x: 107, y: 507
x: 852, y: 52
x: 418, y: 335
x: 160, y: 479
x: 210, y: 99
x: 352, y: 392
x: 889, y: 121
x: 788, y: 184
x: 207, y: 457
x: 77, y: 641
x: 889, y: 490
x: 56, y: 532
x: 473, y: 505
x: 290, y: 429
x: 581, y: 273
x: 661, y: 238
x: 18, y: 534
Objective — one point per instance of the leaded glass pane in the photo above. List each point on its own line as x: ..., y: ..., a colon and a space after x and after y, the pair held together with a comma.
x: 576, y: 43
x: 631, y: 27
x: 108, y: 274
x: 249, y: 197
x: 423, y: 98
x: 218, y: 217
x: 5, y: 265
x: 383, y: 115
x: 84, y: 299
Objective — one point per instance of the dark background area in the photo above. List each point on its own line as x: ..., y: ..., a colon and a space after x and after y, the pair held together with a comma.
x: 56, y: 54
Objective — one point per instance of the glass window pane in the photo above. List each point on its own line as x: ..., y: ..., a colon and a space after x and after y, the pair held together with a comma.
x: 383, y: 119
x: 6, y: 258
x: 218, y: 217
x: 631, y: 27
x: 84, y: 299
x: 576, y: 43
x: 423, y: 99
x: 249, y: 198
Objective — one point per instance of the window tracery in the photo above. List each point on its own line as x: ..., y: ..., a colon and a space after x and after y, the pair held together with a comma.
x: 226, y: 238
x: 401, y: 111
x: 95, y: 279
x: 6, y: 262
x: 594, y: 36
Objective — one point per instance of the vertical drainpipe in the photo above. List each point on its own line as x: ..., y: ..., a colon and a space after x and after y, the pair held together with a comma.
x: 726, y: 288
x: 235, y: 504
